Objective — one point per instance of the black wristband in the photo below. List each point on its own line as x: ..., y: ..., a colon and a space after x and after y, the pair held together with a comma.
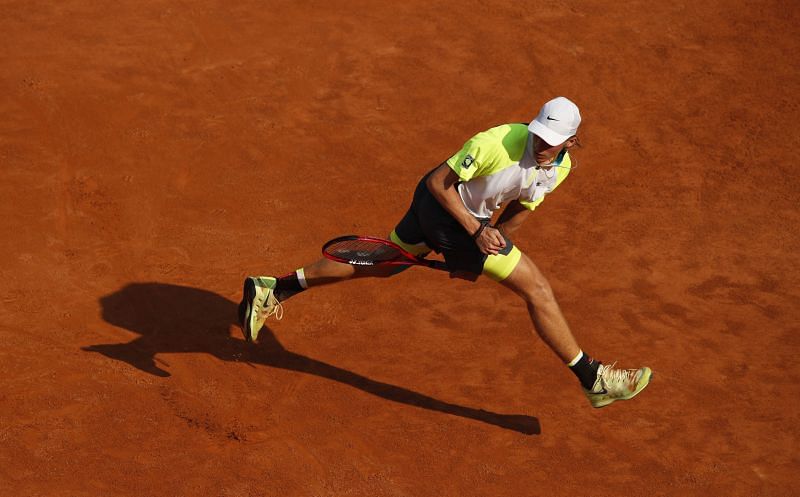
x: 483, y: 226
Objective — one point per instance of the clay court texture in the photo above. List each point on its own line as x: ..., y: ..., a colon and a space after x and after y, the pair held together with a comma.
x: 155, y: 153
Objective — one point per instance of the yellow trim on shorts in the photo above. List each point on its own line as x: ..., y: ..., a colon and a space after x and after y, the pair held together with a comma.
x: 418, y: 249
x: 498, y: 267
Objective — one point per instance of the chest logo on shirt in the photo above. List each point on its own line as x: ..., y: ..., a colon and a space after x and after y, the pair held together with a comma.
x: 467, y: 162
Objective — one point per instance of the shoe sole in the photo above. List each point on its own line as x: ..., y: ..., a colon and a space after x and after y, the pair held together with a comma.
x: 246, y: 307
x: 649, y: 375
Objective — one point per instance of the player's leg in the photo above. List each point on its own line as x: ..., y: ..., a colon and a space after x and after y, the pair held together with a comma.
x: 407, y: 234
x: 325, y: 271
x: 517, y: 272
x: 602, y: 384
x: 527, y: 281
x: 262, y: 295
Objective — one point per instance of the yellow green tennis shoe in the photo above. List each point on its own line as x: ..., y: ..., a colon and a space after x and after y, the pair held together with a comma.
x: 614, y: 384
x: 258, y: 303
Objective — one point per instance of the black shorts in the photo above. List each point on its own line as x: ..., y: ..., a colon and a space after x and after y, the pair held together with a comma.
x: 428, y: 222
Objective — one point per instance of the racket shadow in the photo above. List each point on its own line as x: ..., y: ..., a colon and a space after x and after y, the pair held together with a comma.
x: 178, y: 319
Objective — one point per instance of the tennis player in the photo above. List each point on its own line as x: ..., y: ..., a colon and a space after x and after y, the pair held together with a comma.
x: 512, y: 167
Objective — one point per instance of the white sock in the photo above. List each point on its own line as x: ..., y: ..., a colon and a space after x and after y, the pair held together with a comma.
x: 301, y: 278
x: 577, y: 358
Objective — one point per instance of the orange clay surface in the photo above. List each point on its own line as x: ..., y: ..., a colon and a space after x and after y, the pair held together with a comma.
x: 155, y: 153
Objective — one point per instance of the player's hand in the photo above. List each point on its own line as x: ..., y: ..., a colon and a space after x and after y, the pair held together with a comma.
x: 490, y: 241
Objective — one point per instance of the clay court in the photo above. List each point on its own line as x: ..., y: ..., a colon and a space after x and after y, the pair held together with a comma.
x: 155, y: 153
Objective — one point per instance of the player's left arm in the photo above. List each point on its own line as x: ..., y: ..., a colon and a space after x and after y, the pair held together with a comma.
x: 512, y: 217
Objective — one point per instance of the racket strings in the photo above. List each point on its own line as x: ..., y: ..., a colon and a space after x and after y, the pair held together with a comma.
x: 362, y: 250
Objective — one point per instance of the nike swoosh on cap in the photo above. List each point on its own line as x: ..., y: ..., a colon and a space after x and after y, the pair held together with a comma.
x: 551, y: 118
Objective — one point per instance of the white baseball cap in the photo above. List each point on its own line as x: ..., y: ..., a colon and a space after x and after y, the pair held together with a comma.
x: 557, y: 121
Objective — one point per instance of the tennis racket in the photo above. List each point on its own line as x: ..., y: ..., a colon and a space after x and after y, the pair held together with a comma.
x: 370, y: 251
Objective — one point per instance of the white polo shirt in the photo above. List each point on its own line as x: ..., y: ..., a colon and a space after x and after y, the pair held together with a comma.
x: 498, y: 165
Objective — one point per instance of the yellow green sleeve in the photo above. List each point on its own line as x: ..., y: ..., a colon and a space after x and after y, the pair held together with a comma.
x: 465, y: 162
x: 490, y: 151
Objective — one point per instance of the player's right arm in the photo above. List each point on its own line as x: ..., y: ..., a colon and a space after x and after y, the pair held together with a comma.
x: 442, y: 184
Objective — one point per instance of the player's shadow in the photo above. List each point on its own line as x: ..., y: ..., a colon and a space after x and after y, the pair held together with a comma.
x: 172, y: 319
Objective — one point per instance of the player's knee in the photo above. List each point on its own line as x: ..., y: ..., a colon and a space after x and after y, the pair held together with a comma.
x: 532, y: 286
x: 538, y: 292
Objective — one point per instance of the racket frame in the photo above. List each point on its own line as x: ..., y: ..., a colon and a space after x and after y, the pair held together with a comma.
x: 412, y: 260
